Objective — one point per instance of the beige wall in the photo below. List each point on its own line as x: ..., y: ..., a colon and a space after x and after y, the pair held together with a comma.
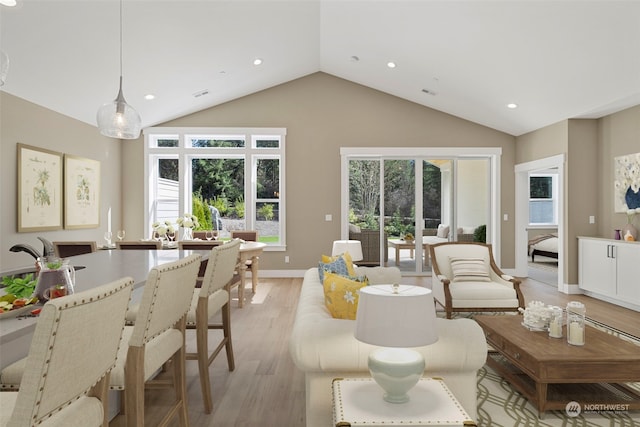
x: 323, y: 113
x: 27, y: 123
x: 590, y: 147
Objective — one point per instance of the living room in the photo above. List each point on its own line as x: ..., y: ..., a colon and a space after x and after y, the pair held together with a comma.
x: 323, y: 112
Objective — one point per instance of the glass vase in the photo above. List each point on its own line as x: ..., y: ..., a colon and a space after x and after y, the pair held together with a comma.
x: 187, y: 234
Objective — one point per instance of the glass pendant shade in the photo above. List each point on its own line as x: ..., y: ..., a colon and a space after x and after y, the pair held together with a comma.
x: 117, y: 119
x: 4, y: 67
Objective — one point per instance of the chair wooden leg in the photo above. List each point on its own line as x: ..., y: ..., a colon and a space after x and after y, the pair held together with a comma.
x: 226, y: 329
x: 254, y: 273
x: 134, y: 387
x: 179, y: 376
x: 243, y: 279
x: 202, y: 344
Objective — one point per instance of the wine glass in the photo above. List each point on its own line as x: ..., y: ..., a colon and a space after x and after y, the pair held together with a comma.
x: 121, y: 235
x: 107, y: 236
x: 209, y: 234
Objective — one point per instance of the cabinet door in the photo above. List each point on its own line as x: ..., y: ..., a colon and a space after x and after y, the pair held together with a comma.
x: 597, y: 267
x: 628, y: 272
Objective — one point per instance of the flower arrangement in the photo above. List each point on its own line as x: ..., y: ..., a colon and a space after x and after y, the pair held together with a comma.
x: 408, y: 237
x: 188, y: 221
x: 162, y: 228
x: 536, y: 315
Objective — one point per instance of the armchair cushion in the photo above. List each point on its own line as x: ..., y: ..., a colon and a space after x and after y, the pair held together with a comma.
x: 469, y: 269
x: 443, y: 231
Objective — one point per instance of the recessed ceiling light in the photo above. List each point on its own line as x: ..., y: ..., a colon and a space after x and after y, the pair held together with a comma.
x: 257, y: 61
x: 391, y: 64
x: 9, y: 3
x: 149, y: 96
x: 512, y: 105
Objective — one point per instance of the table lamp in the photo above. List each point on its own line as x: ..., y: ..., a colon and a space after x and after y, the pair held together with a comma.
x: 354, y: 247
x: 395, y: 317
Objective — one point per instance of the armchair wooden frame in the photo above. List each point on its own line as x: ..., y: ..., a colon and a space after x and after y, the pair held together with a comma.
x: 439, y: 278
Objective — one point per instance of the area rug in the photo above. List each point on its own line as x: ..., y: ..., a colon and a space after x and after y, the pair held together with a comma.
x: 500, y: 405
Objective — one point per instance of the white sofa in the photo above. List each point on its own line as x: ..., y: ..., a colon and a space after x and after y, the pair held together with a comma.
x: 324, y: 348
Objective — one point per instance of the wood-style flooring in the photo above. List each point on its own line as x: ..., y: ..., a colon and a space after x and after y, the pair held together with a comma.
x: 266, y: 389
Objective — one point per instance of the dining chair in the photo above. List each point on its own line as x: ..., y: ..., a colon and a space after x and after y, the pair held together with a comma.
x: 67, y: 249
x: 157, y: 337
x: 66, y: 373
x: 139, y: 244
x: 199, y: 245
x: 210, y: 300
x: 247, y: 236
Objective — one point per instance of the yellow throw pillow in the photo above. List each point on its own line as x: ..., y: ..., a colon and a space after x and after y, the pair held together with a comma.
x: 341, y: 294
x: 347, y: 259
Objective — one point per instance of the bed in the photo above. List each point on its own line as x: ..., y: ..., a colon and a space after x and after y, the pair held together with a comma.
x: 544, y: 245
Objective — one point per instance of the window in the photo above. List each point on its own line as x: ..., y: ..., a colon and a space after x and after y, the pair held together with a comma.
x: 543, y: 204
x: 231, y: 178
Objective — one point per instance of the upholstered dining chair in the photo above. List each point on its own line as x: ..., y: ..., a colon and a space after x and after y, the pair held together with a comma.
x: 465, y: 278
x: 210, y: 300
x: 65, y: 376
x: 139, y: 244
x: 199, y: 245
x: 157, y: 336
x: 67, y: 249
x: 246, y: 235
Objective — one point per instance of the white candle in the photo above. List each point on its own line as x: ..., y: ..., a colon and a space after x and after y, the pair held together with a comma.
x: 576, y: 334
x: 555, y: 329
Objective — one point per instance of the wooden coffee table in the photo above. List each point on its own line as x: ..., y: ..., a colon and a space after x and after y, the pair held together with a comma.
x: 551, y: 373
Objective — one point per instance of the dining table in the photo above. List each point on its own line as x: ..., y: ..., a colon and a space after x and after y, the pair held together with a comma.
x: 91, y: 270
x: 249, y: 261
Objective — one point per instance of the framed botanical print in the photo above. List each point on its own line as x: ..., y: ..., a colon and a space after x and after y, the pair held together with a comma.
x: 39, y: 189
x: 81, y: 192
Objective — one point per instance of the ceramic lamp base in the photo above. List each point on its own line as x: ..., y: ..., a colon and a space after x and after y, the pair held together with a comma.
x: 396, y: 370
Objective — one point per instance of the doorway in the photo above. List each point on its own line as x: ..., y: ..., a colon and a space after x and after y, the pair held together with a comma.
x: 409, y: 196
x: 532, y: 229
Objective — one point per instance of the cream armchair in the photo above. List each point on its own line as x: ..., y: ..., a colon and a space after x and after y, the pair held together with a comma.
x: 467, y: 279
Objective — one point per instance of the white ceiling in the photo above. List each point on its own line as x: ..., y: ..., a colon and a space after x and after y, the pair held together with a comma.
x: 555, y: 59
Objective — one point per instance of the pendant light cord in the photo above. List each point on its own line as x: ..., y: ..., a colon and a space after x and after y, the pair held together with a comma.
x: 121, y: 38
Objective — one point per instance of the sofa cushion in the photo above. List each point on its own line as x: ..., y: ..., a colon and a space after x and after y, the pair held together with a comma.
x: 354, y: 228
x: 443, y: 231
x: 469, y: 269
x: 341, y: 294
x: 341, y: 264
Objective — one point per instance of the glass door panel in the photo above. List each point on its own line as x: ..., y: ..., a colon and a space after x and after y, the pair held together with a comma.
x: 472, y: 199
x: 400, y: 213
x: 364, y: 209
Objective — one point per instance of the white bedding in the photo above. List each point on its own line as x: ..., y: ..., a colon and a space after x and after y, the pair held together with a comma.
x: 547, y: 245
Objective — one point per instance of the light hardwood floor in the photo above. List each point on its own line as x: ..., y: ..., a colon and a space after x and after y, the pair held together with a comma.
x: 266, y: 389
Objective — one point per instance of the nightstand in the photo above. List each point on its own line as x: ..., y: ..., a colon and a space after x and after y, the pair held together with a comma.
x: 359, y: 402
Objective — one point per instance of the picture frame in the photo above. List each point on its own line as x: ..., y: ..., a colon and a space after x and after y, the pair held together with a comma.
x: 627, y: 182
x: 40, y: 196
x: 81, y: 192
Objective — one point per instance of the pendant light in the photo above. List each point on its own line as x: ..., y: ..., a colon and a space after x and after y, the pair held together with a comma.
x: 117, y: 119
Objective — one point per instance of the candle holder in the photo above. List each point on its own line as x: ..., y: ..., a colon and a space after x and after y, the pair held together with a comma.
x: 575, y: 323
x: 555, y: 322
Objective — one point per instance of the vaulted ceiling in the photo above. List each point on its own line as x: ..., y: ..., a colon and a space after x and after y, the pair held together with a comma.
x: 554, y: 59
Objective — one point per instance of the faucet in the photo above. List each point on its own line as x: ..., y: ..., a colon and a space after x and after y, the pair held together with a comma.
x: 23, y: 247
x: 47, y: 249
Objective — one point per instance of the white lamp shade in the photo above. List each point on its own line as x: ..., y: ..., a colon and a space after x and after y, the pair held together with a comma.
x: 354, y: 247
x: 406, y: 318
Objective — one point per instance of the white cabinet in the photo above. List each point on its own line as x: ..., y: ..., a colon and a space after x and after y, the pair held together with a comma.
x: 610, y: 269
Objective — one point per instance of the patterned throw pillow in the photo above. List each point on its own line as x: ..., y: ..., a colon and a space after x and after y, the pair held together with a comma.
x: 469, y: 269
x: 341, y: 264
x: 341, y: 294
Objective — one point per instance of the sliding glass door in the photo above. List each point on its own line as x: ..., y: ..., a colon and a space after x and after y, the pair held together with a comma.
x: 384, y: 192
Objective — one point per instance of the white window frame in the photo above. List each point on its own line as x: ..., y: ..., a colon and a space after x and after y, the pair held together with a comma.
x: 185, y: 154
x: 554, y: 199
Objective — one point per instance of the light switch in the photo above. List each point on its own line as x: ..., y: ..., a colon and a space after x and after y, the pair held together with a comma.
x: 592, y: 219
x: 506, y: 217
x: 328, y: 217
